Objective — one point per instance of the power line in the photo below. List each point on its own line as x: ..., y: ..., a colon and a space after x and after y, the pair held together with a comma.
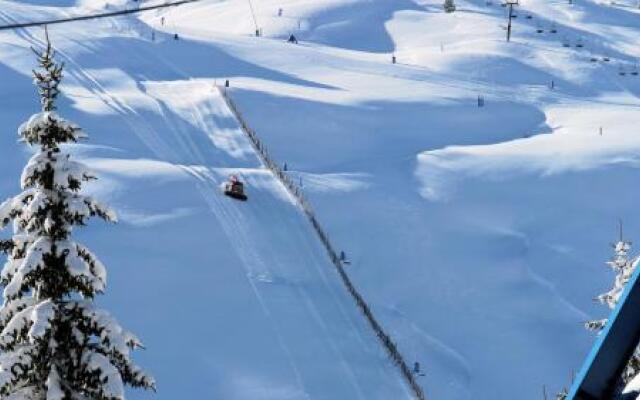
x: 94, y: 16
x: 253, y: 15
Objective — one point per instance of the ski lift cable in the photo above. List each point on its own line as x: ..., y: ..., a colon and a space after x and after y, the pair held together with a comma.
x: 95, y: 16
x: 253, y: 15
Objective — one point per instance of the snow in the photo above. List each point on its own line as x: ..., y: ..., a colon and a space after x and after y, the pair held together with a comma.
x: 12, y: 206
x: 41, y: 317
x: 31, y: 262
x: 19, y: 322
x: 20, y: 357
x: 27, y: 393
x: 35, y: 127
x: 114, y: 338
x: 633, y: 386
x: 624, y: 268
x: 65, y: 170
x: 79, y: 267
x: 98, y: 270
x: 5, y: 209
x: 112, y: 387
x: 54, y: 390
x: 477, y: 235
x: 13, y: 307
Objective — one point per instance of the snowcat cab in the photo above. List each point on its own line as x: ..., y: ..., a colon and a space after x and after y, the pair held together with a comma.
x: 235, y: 189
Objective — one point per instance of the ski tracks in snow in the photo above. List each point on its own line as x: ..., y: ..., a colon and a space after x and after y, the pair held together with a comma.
x: 288, y: 275
x: 289, y: 295
x: 280, y: 293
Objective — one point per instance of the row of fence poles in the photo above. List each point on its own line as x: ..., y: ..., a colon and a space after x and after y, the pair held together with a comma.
x: 336, y: 259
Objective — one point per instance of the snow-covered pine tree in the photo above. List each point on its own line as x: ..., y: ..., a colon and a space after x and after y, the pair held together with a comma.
x: 563, y: 394
x: 54, y: 343
x: 449, y: 6
x: 624, y: 266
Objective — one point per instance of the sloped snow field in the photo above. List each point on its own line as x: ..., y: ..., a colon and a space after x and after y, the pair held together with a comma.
x: 477, y: 234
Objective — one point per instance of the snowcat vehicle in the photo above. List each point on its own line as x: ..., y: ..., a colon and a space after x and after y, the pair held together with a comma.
x: 235, y: 189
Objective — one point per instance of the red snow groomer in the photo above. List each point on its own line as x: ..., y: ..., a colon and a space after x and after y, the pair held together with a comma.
x: 234, y: 188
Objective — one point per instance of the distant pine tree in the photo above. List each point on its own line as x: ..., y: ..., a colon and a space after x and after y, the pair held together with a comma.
x: 54, y: 343
x: 624, y: 266
x: 449, y: 6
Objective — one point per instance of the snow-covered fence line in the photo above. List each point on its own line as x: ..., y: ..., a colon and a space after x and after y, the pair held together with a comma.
x: 296, y: 192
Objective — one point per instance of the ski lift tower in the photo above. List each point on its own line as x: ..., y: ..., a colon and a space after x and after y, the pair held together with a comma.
x: 599, y: 377
x: 509, y: 4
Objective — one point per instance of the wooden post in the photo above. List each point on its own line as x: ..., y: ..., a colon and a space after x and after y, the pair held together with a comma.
x: 510, y: 4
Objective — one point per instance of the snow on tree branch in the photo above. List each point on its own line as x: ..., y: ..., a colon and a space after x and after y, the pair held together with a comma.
x: 47, y: 126
x: 112, y: 386
x: 54, y: 385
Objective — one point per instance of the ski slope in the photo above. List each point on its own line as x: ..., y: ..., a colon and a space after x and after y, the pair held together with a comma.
x: 478, y: 235
x: 237, y: 299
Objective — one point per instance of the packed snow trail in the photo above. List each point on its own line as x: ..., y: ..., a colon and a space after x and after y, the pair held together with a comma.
x: 285, y: 257
x: 300, y: 331
x: 300, y: 323
x: 295, y: 191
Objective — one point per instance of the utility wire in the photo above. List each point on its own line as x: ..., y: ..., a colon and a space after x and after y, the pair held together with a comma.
x: 253, y: 14
x: 94, y: 16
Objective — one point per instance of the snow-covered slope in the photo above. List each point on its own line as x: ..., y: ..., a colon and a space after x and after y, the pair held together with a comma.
x: 477, y: 234
x: 237, y: 300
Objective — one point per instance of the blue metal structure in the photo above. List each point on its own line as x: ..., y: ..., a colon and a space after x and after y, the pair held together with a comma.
x: 600, y: 373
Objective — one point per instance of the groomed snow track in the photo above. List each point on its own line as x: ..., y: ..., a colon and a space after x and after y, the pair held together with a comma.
x: 277, y: 324
x: 296, y: 192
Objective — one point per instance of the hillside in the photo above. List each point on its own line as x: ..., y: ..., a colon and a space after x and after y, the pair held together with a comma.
x: 477, y: 234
